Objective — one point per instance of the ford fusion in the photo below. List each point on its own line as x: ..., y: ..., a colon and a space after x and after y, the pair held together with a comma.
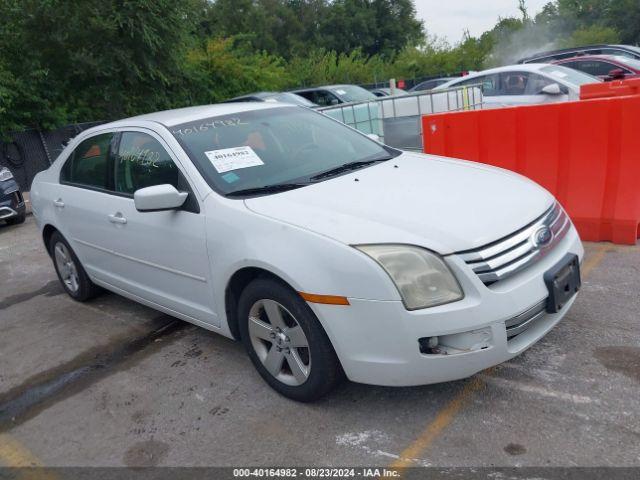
x: 328, y: 254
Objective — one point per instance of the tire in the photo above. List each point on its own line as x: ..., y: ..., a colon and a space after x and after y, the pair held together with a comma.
x: 261, y: 339
x: 70, y: 272
x: 17, y: 220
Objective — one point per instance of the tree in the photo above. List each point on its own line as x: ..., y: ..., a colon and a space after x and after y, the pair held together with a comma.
x: 91, y: 60
x: 381, y: 27
x: 225, y: 68
x: 624, y: 16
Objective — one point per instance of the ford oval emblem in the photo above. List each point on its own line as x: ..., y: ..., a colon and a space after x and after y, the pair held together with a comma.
x: 542, y: 237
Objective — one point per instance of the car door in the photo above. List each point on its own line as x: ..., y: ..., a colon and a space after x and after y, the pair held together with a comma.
x: 159, y: 256
x: 80, y: 199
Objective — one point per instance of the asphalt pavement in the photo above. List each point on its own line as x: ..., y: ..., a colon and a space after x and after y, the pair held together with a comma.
x: 113, y: 383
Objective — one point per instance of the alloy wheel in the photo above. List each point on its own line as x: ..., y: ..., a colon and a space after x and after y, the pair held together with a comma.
x: 279, y: 342
x: 66, y: 267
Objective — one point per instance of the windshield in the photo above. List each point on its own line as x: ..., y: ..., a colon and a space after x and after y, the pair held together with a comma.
x: 272, y: 146
x: 353, y: 93
x: 286, y: 97
x: 631, y: 62
x: 569, y: 75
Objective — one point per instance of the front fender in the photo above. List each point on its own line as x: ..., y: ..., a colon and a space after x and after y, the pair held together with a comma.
x: 307, y: 261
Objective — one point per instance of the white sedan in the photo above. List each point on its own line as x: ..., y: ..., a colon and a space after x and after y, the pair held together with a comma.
x: 325, y: 252
x: 526, y: 84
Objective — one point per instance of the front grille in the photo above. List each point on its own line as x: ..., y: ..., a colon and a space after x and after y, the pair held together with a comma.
x: 526, y: 319
x: 507, y: 256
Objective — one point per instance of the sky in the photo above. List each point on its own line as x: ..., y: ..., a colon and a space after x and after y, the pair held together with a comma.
x: 449, y: 18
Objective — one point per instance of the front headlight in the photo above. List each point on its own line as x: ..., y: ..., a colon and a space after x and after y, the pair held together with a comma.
x: 421, y: 277
x: 5, y: 174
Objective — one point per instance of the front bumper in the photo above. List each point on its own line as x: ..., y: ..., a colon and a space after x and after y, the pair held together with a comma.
x: 378, y: 342
x: 11, y: 203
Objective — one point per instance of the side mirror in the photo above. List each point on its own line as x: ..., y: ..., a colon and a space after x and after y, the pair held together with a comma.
x: 334, y: 101
x: 158, y: 197
x: 374, y: 136
x: 553, y: 89
x: 616, y: 74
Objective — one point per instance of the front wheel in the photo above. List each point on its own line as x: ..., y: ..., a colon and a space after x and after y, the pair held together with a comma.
x: 286, y: 342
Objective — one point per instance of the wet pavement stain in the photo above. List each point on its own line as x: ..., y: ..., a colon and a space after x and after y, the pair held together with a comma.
x: 145, y: 454
x: 194, y: 352
x: 52, y: 386
x: 51, y: 289
x: 625, y: 360
x: 515, y: 449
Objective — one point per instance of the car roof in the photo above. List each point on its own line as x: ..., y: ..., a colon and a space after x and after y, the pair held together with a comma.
x: 586, y: 57
x: 325, y: 87
x: 526, y: 67
x: 255, y: 94
x: 611, y: 58
x: 437, y: 79
x: 170, y: 118
x: 579, y: 49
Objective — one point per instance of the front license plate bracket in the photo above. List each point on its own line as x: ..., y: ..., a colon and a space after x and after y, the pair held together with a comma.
x: 563, y: 282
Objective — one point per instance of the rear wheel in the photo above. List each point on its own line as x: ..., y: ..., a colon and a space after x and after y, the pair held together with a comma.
x: 72, y: 275
x: 286, y: 342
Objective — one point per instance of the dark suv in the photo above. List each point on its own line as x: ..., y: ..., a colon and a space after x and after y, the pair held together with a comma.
x: 12, y: 207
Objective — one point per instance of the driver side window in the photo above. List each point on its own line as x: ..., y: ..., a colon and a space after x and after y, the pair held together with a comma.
x: 515, y: 83
x: 141, y: 162
x: 537, y: 82
x: 325, y: 98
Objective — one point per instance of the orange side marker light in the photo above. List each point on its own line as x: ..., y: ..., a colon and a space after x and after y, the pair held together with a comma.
x: 324, y: 299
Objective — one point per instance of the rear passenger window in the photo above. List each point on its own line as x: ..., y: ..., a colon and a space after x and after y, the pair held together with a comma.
x: 88, y: 165
x: 141, y: 161
x: 488, y: 83
x: 595, y: 67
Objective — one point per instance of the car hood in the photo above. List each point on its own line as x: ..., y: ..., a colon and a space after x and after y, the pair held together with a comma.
x: 442, y: 204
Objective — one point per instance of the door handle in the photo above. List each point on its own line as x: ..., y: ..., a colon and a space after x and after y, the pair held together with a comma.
x: 59, y: 203
x: 117, y: 218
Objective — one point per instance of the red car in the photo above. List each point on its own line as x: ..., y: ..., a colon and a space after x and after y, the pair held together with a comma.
x: 606, y: 67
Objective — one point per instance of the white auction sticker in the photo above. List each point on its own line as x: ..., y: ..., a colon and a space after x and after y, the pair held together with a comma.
x: 235, y: 158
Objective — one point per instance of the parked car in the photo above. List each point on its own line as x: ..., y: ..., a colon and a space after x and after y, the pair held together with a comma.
x: 319, y: 248
x: 282, y: 97
x: 431, y: 84
x: 386, y: 92
x: 605, y: 67
x: 551, y: 56
x: 12, y: 206
x: 525, y: 84
x: 335, y: 94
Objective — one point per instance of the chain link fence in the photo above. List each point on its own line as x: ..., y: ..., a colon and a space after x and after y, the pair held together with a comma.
x: 31, y: 151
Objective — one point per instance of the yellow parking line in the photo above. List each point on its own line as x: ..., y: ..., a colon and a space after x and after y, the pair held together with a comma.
x: 592, y: 261
x: 442, y: 420
x: 445, y: 416
x: 14, y: 454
